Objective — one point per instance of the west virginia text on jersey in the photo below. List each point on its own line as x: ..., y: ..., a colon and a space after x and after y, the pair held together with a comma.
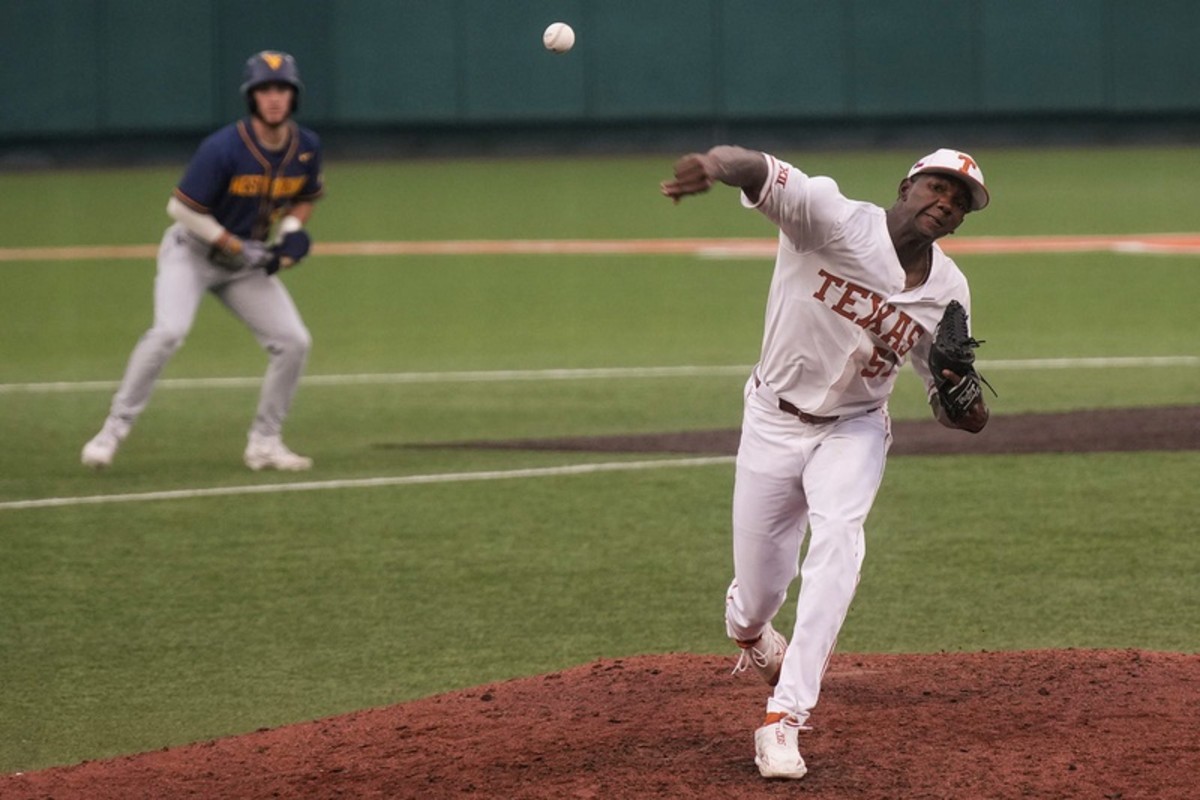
x: 246, y: 186
x: 258, y: 185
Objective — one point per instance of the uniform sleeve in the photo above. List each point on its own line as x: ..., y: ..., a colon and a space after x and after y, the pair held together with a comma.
x: 806, y: 209
x: 919, y: 357
x: 314, y: 187
x: 206, y: 178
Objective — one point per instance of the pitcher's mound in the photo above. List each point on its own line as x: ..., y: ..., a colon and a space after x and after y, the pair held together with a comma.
x: 1108, y: 725
x: 1092, y: 431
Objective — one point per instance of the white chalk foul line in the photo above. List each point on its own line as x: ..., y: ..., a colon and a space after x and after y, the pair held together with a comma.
x: 366, y: 483
x: 484, y: 376
x: 478, y: 376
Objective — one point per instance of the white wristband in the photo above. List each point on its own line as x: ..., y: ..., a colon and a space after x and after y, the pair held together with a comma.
x: 289, y: 224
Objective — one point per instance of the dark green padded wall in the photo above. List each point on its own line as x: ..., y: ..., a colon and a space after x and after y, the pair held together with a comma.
x: 80, y: 68
x: 49, y: 59
x: 1153, y: 61
x: 784, y: 58
x: 1038, y: 59
x: 150, y: 76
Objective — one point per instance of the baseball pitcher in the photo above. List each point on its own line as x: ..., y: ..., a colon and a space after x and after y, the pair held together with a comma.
x: 857, y: 290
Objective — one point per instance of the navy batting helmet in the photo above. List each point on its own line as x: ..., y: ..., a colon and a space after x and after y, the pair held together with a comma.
x: 271, y: 66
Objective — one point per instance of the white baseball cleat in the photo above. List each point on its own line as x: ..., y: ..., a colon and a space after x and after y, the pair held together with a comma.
x: 765, y: 654
x: 269, y: 452
x: 100, y: 450
x: 777, y: 749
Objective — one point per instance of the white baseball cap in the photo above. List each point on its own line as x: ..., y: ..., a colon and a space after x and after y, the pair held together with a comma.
x: 960, y: 165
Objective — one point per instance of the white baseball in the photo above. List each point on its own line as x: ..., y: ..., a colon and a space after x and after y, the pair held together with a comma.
x: 559, y: 37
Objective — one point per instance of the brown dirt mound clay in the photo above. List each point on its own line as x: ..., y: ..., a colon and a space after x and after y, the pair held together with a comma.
x: 1095, y: 431
x: 1110, y: 725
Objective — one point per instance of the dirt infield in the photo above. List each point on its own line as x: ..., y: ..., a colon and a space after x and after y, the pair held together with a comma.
x: 1114, y: 430
x: 1108, y: 725
x: 1102, y: 724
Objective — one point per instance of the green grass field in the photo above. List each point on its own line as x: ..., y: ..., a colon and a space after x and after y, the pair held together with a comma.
x: 130, y: 626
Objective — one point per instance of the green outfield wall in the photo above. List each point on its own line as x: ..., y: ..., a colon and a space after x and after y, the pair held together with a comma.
x: 96, y: 68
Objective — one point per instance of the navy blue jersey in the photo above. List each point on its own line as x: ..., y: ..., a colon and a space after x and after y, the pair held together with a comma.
x: 246, y: 186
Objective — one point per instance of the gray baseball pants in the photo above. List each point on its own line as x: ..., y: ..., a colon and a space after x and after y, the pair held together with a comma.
x: 259, y: 300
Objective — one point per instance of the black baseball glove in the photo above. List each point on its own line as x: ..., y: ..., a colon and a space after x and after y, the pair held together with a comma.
x: 953, y: 348
x: 291, y: 249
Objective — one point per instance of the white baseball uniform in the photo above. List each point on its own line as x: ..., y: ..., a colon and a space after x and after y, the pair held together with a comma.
x: 839, y: 324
